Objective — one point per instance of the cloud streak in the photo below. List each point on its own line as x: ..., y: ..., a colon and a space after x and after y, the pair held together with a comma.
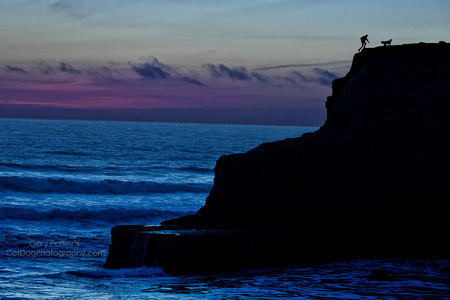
x: 222, y: 71
x: 14, y: 69
x: 192, y: 80
x: 153, y: 69
x: 316, y: 64
x: 153, y: 84
x: 292, y: 79
x: 45, y: 68
x: 66, y: 68
x: 325, y: 77
x: 101, y: 73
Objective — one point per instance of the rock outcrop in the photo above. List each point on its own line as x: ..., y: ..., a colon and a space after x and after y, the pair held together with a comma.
x: 373, y: 181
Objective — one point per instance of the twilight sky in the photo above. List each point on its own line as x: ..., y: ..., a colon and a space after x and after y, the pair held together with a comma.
x: 234, y: 61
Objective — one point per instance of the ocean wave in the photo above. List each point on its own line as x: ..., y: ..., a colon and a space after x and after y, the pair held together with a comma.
x: 85, y: 214
x: 120, y: 273
x: 68, y: 153
x: 49, y: 167
x: 105, y: 186
x: 196, y: 169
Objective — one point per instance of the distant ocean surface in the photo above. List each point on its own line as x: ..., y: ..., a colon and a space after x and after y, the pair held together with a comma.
x: 65, y: 184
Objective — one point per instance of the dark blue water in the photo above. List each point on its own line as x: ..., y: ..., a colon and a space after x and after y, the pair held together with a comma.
x: 65, y: 184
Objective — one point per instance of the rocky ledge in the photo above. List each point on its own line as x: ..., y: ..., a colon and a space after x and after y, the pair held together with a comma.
x: 372, y: 182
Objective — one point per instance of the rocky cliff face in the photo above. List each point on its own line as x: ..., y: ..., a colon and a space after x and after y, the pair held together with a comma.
x: 375, y: 176
x: 381, y: 157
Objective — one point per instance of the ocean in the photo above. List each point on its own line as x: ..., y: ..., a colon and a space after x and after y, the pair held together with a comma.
x: 65, y: 184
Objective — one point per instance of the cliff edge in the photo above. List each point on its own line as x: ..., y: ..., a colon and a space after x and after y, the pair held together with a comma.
x: 373, y: 181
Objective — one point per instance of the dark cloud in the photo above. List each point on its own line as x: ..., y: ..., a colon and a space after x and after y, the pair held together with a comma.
x: 45, y: 68
x: 286, y: 80
x: 66, y: 68
x: 298, y: 76
x: 192, y: 80
x: 101, y: 73
x: 241, y: 73
x: 156, y: 70
x: 10, y: 69
x: 222, y: 71
x: 325, y: 77
x: 260, y: 77
x: 153, y: 69
x: 292, y: 79
x: 238, y: 73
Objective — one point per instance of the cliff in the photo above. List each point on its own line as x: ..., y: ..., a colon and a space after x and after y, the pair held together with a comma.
x: 381, y: 153
x: 373, y: 181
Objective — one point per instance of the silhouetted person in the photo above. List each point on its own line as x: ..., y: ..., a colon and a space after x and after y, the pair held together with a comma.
x: 364, y: 41
x: 386, y: 42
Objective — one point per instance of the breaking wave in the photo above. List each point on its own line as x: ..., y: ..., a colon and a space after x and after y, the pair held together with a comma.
x: 105, y: 186
x: 120, y: 273
x: 85, y: 214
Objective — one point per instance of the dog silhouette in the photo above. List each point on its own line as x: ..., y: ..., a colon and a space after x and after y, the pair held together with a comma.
x: 386, y: 42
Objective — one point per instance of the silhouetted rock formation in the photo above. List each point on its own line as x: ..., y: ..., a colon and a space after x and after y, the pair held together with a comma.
x: 374, y: 181
x: 385, y: 140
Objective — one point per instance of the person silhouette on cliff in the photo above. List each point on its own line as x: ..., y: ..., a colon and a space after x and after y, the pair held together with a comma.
x: 364, y: 40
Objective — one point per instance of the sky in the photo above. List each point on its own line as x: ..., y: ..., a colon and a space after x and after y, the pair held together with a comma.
x: 240, y: 62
